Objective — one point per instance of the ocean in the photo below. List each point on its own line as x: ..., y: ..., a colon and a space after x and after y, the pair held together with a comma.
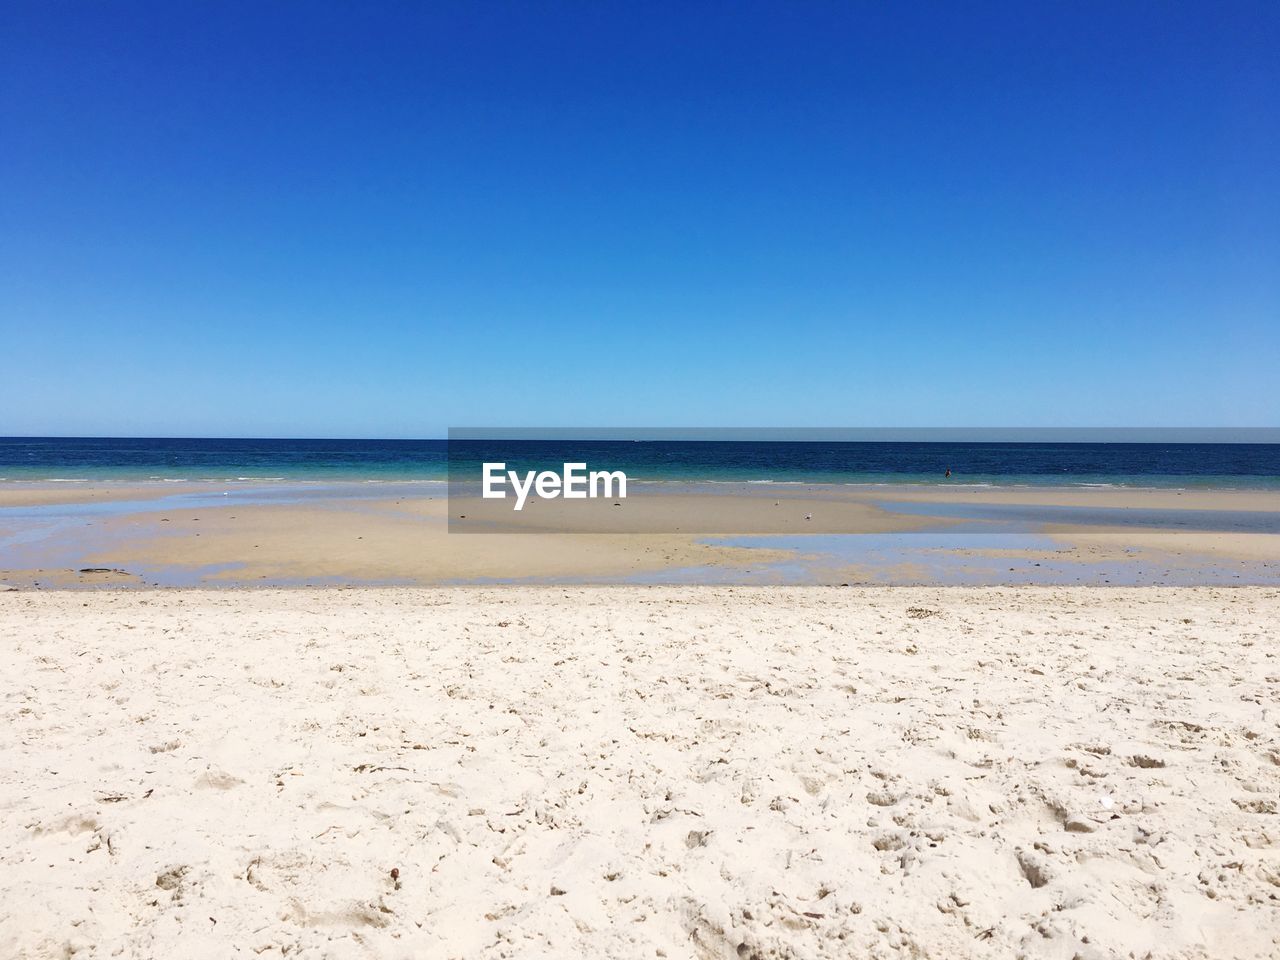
x: 1171, y: 465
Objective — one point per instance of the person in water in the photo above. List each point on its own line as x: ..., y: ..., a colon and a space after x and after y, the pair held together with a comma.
x: 948, y: 473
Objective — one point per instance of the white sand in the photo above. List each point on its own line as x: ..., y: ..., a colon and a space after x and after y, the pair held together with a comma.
x: 711, y: 773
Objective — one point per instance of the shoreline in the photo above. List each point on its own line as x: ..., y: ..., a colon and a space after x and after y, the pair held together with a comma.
x: 21, y: 492
x: 375, y: 534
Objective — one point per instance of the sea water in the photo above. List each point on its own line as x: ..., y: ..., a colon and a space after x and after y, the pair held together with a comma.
x: 1170, y: 465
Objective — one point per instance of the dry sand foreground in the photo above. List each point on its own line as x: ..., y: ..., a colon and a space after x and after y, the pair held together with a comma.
x: 630, y: 772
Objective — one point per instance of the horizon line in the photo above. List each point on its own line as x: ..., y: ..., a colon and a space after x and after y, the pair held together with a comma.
x: 1101, y: 435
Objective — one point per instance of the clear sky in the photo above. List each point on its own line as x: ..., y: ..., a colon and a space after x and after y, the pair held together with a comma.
x: 383, y: 219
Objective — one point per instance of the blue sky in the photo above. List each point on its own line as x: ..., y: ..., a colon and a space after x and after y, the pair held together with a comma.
x: 376, y: 220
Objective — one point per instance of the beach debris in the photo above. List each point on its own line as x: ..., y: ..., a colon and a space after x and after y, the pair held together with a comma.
x: 808, y: 516
x: 1145, y: 762
x: 169, y: 879
x: 921, y: 613
x: 103, y: 570
x: 697, y: 838
x: 172, y: 880
x: 883, y: 798
x: 1255, y: 805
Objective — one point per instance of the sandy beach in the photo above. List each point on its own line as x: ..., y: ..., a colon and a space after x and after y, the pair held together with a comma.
x: 640, y: 772
x: 411, y: 534
x: 575, y: 481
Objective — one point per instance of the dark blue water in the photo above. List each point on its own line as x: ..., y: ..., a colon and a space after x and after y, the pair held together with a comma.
x: 97, y: 458
x: 1253, y: 465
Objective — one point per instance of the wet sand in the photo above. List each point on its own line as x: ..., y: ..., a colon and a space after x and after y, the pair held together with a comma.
x: 407, y: 534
